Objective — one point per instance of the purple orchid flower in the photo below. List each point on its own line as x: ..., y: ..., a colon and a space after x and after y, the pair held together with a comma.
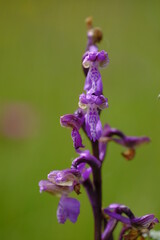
x: 68, y: 208
x: 115, y: 135
x: 133, y: 226
x: 74, y: 121
x: 61, y: 183
x: 93, y: 104
x: 92, y: 60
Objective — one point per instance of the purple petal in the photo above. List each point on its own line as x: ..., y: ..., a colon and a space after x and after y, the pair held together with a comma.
x: 77, y: 140
x: 145, y: 221
x: 92, y: 56
x: 109, y: 132
x: 102, y: 150
x: 93, y: 82
x: 105, y: 137
x: 67, y: 177
x: 117, y: 216
x: 112, y: 223
x: 47, y: 186
x: 101, y: 101
x: 131, y: 142
x: 68, y: 208
x: 85, y: 172
x: 70, y: 120
x: 113, y: 134
x: 119, y: 208
x: 103, y: 58
x: 83, y: 99
x: 75, y: 121
x: 93, y: 124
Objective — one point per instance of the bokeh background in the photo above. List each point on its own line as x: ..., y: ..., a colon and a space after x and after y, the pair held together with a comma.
x: 41, y: 45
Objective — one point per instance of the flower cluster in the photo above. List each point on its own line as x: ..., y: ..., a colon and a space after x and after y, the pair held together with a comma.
x: 86, y: 168
x: 133, y: 227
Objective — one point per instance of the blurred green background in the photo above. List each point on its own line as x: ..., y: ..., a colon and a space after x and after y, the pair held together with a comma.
x: 41, y: 45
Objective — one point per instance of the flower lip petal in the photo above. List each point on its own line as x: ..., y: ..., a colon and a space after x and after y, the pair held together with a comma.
x: 68, y: 208
x: 77, y: 140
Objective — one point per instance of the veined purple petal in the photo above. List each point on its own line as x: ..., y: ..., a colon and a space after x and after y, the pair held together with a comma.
x: 93, y: 83
x: 67, y: 177
x: 47, y: 186
x: 93, y: 124
x: 70, y: 120
x: 75, y: 121
x: 77, y: 140
x: 145, y: 221
x: 68, y: 208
